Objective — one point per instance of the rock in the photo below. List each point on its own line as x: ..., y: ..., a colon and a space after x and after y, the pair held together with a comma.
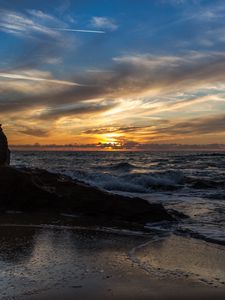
x: 4, y: 150
x: 40, y: 190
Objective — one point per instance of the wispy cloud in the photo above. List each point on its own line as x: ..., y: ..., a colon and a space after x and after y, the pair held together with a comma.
x: 165, y: 129
x: 44, y: 37
x: 74, y: 110
x: 30, y: 78
x: 104, y: 23
x: 20, y: 24
x: 41, y: 15
x: 38, y: 22
x: 143, y: 76
x: 205, y: 125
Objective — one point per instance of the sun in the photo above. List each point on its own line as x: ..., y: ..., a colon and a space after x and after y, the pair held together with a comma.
x: 110, y: 141
x: 110, y: 137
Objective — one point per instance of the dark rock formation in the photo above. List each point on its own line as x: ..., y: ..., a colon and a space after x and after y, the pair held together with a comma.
x: 39, y: 190
x: 4, y: 150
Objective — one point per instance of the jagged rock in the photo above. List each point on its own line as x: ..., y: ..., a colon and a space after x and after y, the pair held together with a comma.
x: 4, y: 150
x: 40, y: 190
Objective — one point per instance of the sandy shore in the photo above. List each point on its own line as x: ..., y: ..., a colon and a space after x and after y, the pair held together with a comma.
x: 147, y: 290
x: 63, y: 260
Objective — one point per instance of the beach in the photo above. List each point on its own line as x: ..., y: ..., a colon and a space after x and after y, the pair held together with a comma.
x: 63, y: 259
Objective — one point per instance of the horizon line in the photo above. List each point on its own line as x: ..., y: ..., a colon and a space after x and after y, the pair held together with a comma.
x: 108, y: 147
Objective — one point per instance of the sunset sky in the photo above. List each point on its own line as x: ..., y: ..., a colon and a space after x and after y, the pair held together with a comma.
x: 112, y: 73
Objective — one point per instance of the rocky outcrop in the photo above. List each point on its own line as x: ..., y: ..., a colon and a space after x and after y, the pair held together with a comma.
x: 40, y: 190
x: 4, y: 150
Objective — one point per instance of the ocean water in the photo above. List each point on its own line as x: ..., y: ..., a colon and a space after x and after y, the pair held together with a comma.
x: 190, y: 182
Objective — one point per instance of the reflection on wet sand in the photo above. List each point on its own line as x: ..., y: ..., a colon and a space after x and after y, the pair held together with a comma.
x: 54, y: 262
x: 178, y: 256
x: 34, y: 259
x: 16, y: 245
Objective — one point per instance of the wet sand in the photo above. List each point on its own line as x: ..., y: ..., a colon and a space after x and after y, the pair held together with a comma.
x: 65, y: 260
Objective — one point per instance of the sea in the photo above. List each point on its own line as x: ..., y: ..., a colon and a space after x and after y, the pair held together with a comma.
x: 192, y: 183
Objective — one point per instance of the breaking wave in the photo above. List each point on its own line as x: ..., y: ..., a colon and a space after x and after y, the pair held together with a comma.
x: 134, y: 182
x: 122, y: 166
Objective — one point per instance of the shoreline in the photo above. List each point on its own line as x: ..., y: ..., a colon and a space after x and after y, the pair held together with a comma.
x: 53, y: 261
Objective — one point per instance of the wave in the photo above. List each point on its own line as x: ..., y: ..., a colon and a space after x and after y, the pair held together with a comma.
x: 144, y: 182
x: 133, y: 182
x: 203, y: 183
x: 122, y: 166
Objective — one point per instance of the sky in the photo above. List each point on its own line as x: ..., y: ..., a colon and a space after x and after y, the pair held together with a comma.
x: 112, y: 74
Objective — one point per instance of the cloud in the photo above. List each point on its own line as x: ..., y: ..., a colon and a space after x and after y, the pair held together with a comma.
x: 37, y: 132
x: 43, y: 37
x: 37, y: 22
x: 144, y: 76
x: 79, y: 109
x: 161, y: 129
x: 140, y: 75
x: 21, y: 25
x: 205, y: 125
x: 118, y: 129
x: 38, y: 41
x: 104, y: 23
x: 18, y: 91
x: 31, y: 78
x: 41, y: 15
